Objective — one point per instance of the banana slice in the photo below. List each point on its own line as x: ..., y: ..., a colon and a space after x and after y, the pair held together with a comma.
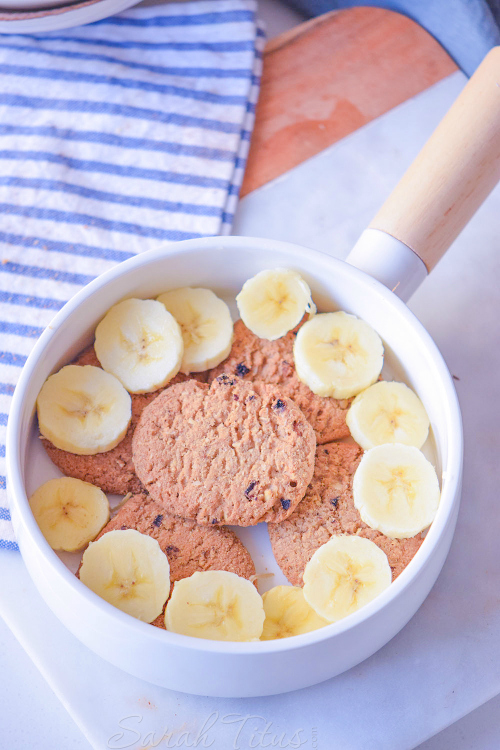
x: 83, y: 410
x: 69, y: 512
x: 217, y: 605
x: 140, y: 343
x: 271, y: 303
x: 337, y: 355
x: 345, y: 574
x: 128, y: 570
x: 396, y: 490
x: 206, y: 325
x: 388, y: 413
x: 288, y: 613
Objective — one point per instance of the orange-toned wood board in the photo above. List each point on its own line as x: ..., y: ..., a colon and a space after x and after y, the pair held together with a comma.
x: 329, y: 76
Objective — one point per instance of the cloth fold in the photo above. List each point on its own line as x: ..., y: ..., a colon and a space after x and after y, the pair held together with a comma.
x: 114, y: 138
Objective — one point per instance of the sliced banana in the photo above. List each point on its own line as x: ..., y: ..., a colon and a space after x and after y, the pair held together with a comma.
x: 206, y: 325
x: 216, y: 605
x: 69, y: 512
x: 337, y: 354
x: 83, y: 410
x: 273, y: 302
x: 288, y: 613
x: 388, y: 413
x: 140, y: 343
x: 128, y: 570
x: 396, y: 490
x: 345, y: 574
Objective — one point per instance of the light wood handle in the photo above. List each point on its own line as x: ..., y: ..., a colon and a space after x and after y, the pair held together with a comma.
x: 453, y: 174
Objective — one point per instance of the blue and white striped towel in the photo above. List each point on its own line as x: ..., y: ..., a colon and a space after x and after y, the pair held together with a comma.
x: 114, y: 138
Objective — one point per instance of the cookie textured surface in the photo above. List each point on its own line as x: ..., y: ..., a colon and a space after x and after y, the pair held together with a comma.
x: 189, y: 547
x: 229, y: 453
x: 112, y: 471
x: 328, y: 509
x: 252, y: 358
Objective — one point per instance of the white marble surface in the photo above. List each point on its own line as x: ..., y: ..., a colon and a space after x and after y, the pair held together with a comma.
x: 35, y: 717
x: 446, y: 662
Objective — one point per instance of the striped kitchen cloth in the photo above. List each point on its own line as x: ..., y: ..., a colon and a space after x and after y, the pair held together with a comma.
x: 114, y: 138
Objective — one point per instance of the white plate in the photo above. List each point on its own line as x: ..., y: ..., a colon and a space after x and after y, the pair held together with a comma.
x: 22, y: 6
x: 24, y: 18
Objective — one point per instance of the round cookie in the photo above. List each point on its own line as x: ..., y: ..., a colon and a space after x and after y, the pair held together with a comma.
x: 112, y: 471
x: 232, y: 453
x: 189, y: 547
x: 328, y: 509
x: 252, y: 358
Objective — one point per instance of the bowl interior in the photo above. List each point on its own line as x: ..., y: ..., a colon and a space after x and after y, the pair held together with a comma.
x: 223, y: 265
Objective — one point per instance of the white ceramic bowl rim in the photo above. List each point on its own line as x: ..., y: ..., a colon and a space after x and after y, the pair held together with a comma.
x: 450, y: 484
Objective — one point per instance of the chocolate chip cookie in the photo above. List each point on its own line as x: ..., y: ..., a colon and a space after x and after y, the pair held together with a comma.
x: 112, y: 471
x: 189, y: 547
x: 229, y: 453
x: 252, y: 358
x: 328, y: 509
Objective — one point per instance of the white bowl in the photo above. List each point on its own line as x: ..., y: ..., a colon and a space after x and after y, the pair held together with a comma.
x: 211, y: 667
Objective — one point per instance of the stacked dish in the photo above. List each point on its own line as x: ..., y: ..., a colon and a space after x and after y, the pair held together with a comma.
x: 35, y: 16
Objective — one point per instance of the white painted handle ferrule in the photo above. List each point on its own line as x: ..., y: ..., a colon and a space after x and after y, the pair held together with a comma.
x: 388, y: 260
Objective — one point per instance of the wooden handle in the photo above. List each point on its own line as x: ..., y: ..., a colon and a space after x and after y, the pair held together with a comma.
x: 453, y: 174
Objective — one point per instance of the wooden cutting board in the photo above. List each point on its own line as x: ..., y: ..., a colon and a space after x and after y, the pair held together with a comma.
x: 329, y: 76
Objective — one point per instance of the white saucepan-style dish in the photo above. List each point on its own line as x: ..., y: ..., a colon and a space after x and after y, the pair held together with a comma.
x: 451, y: 177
